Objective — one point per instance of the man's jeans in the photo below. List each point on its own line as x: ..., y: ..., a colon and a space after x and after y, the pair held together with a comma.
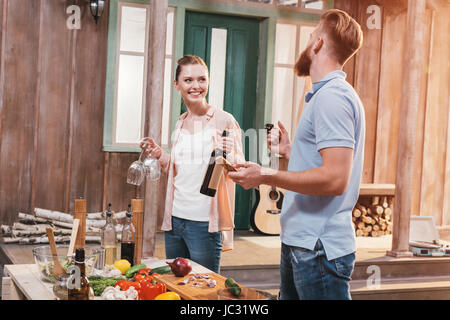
x: 308, y: 275
x: 191, y: 239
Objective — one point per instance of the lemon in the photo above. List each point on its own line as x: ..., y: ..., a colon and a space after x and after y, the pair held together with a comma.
x: 168, y: 296
x: 122, y: 265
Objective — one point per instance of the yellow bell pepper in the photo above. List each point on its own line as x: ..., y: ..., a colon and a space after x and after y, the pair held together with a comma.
x: 168, y: 296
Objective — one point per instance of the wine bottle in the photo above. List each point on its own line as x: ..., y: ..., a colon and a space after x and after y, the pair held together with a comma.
x: 82, y: 291
x: 213, y: 172
x: 109, y: 238
x: 128, y: 238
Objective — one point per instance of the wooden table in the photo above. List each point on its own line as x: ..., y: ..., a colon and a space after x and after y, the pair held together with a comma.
x: 23, y: 281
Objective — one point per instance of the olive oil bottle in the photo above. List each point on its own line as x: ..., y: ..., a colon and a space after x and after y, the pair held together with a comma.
x: 81, y: 289
x: 109, y: 238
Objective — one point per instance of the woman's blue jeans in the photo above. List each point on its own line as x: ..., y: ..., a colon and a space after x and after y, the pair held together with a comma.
x: 191, y: 240
x: 308, y: 275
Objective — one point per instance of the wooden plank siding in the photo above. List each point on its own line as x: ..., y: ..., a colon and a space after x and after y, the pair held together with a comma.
x: 379, y: 86
x: 51, y: 112
x: 20, y: 35
x: 436, y: 127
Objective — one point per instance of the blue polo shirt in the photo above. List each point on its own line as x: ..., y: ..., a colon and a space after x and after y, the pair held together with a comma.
x: 333, y: 116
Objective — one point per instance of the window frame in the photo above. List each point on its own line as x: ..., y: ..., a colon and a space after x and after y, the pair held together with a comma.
x: 296, y: 95
x: 112, y: 69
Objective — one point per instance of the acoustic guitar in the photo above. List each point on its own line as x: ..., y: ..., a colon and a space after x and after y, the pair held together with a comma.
x: 265, y: 215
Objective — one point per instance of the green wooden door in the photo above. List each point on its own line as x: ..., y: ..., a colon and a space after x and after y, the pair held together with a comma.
x: 240, y: 82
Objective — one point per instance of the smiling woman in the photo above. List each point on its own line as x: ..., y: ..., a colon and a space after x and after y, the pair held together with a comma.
x: 193, y: 221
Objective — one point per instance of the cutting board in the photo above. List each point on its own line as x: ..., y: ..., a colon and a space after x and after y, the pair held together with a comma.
x: 203, y: 292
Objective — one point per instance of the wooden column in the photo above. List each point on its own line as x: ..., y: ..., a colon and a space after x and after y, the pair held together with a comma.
x: 80, y: 213
x: 137, y: 207
x: 412, y: 73
x: 153, y: 197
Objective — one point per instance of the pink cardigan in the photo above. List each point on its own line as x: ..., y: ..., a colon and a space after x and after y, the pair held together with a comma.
x: 221, y: 214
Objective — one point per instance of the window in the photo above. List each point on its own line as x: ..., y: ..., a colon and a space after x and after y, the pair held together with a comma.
x: 127, y: 73
x: 291, y: 39
x: 131, y: 69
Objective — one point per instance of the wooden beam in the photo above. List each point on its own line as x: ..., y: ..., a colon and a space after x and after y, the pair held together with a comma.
x: 154, y: 192
x: 412, y: 75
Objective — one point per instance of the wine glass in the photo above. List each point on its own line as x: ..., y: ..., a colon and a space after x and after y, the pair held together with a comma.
x: 136, y: 172
x: 151, y: 168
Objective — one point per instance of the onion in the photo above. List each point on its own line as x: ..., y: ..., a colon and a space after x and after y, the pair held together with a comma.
x: 180, y: 267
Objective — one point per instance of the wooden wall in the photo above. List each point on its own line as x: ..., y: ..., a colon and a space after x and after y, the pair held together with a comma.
x: 52, y: 89
x: 376, y: 74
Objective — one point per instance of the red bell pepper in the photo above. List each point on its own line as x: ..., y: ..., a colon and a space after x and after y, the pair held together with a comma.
x: 144, y: 271
x: 151, y: 289
x: 125, y: 285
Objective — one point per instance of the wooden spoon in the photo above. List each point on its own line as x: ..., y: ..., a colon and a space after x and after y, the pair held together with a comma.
x: 57, y: 269
x: 73, y: 237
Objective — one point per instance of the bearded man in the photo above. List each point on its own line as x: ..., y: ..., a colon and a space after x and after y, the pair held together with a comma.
x: 325, y: 167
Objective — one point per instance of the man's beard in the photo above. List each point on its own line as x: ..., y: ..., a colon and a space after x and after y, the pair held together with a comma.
x: 303, y: 63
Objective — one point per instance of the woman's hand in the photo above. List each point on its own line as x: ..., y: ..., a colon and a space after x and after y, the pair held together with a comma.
x: 150, y: 147
x: 278, y: 141
x: 225, y: 143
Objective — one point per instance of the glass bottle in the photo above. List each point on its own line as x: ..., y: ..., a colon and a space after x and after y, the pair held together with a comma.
x: 213, y: 172
x: 109, y: 238
x: 128, y: 238
x: 80, y: 290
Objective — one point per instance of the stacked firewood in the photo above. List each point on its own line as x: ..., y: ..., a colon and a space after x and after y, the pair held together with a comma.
x: 372, y: 217
x: 31, y: 229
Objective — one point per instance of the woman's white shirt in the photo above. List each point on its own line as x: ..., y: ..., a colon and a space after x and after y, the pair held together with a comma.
x: 192, y: 154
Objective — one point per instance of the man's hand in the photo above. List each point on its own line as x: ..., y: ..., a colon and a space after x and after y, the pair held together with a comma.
x: 249, y: 175
x: 278, y: 141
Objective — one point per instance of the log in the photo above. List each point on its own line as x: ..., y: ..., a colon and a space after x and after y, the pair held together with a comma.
x: 376, y: 228
x: 24, y: 217
x: 369, y: 228
x: 384, y: 202
x: 378, y: 209
x: 44, y: 239
x: 356, y: 213
x: 361, y: 225
x: 62, y: 217
x: 388, y: 211
x: 359, y: 233
x: 6, y: 230
x: 53, y: 215
x: 34, y: 227
x: 119, y: 215
x: 375, y: 200
x: 367, y: 219
x: 361, y: 208
x: 96, y: 216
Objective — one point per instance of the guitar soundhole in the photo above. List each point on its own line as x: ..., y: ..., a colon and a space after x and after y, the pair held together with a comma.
x: 274, y: 195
